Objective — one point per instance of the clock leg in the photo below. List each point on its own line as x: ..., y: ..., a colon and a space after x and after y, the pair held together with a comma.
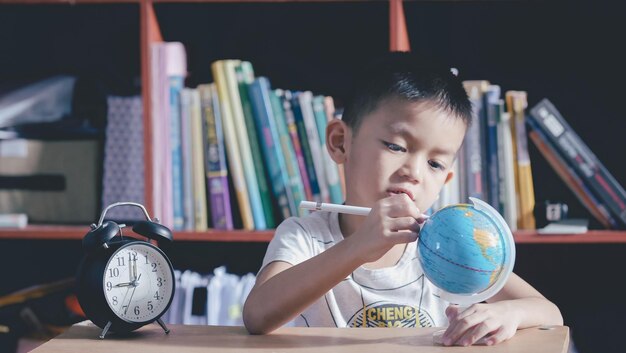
x: 106, y: 329
x: 162, y: 324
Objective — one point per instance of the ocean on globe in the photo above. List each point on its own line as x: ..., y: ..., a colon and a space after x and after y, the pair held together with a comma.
x: 467, y: 251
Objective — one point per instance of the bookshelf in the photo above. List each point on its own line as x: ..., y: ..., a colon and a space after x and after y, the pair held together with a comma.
x: 150, y: 31
x: 521, y: 236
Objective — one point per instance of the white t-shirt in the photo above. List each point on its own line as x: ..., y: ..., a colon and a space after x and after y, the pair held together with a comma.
x: 397, y: 296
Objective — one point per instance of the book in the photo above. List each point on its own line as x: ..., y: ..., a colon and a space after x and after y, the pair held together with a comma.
x: 474, y: 141
x: 331, y: 175
x: 269, y: 142
x: 290, y: 118
x: 492, y: 98
x: 176, y: 70
x: 506, y: 167
x: 241, y: 133
x: 245, y: 77
x: 291, y: 163
x: 13, y: 220
x: 215, y: 159
x: 199, y: 200
x: 186, y: 158
x: 517, y: 103
x: 569, y: 176
x: 235, y: 164
x: 307, y: 132
x: 581, y: 158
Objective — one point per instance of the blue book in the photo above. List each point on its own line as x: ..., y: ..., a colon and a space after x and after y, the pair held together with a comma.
x: 306, y: 148
x: 288, y: 151
x: 176, y: 85
x: 269, y: 142
x: 330, y: 167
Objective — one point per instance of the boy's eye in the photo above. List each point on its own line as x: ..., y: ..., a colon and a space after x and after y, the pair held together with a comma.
x: 393, y: 147
x: 436, y: 165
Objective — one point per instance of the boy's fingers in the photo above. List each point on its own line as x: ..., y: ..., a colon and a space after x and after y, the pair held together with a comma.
x: 404, y: 223
x: 402, y: 206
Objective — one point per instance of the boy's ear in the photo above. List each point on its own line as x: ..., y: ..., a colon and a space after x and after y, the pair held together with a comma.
x: 449, y: 177
x: 337, y: 139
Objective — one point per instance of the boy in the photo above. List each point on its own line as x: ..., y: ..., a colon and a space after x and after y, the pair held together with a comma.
x: 397, y: 141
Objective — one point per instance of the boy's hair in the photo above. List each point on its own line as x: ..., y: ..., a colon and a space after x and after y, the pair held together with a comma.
x: 409, y: 77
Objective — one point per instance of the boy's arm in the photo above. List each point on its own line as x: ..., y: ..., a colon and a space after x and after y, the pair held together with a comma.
x: 518, y: 305
x: 282, y: 290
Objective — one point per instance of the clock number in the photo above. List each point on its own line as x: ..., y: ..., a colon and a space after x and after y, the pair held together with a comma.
x: 109, y: 286
x: 154, y: 265
x: 114, y: 272
x: 157, y: 296
x: 120, y: 261
x: 159, y: 281
x: 147, y: 259
x: 150, y: 306
x: 114, y: 300
x: 136, y: 310
x: 125, y: 308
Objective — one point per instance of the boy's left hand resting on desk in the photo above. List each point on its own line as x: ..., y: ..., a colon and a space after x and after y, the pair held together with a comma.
x: 518, y: 305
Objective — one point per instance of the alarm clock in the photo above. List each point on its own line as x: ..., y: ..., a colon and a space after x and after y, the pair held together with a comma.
x: 124, y: 283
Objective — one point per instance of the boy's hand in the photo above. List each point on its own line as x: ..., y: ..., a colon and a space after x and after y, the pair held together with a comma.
x: 392, y: 220
x: 479, y: 324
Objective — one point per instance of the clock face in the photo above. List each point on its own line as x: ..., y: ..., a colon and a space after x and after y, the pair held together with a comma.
x: 138, y: 282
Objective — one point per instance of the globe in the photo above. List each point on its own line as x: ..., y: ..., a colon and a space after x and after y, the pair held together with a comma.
x: 467, y: 251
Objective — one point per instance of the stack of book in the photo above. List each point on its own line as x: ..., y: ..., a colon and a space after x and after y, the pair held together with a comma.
x: 600, y: 193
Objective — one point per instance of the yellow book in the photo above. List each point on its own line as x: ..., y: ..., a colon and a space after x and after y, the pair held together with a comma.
x: 232, y: 146
x: 197, y: 164
x: 517, y: 103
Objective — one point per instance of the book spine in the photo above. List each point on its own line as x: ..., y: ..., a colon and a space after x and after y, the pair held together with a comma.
x: 475, y: 166
x: 517, y: 103
x: 569, y: 176
x: 176, y: 85
x: 286, y: 98
x: 306, y: 149
x: 506, y: 167
x: 584, y: 161
x: 269, y: 143
x: 245, y: 77
x: 197, y: 150
x: 187, y: 159
x: 330, y: 167
x: 232, y: 146
x: 291, y: 162
x: 243, y: 140
x: 306, y: 108
x: 492, y: 110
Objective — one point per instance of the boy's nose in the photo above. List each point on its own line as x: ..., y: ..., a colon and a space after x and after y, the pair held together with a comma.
x: 412, y: 170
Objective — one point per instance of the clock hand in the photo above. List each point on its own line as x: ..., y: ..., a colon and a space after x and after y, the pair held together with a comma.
x: 124, y: 284
x: 130, y: 300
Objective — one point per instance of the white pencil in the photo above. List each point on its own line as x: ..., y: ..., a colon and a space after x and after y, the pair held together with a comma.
x: 331, y: 207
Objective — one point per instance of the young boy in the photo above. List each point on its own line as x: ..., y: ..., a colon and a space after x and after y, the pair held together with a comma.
x: 397, y: 141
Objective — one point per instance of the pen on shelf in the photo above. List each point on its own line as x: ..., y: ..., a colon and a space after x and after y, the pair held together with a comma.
x: 331, y: 207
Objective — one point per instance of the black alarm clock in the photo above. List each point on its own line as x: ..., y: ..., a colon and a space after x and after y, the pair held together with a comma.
x: 124, y: 283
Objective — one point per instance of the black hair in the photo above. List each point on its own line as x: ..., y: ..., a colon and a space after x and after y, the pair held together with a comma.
x: 405, y: 76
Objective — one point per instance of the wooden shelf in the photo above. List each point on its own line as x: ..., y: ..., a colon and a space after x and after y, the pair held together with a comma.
x: 49, y: 232
x: 77, y: 233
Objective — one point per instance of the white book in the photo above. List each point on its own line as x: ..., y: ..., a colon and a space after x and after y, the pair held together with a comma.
x: 306, y: 105
x: 506, y: 172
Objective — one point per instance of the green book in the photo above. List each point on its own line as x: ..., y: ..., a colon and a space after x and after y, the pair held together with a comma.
x: 245, y: 76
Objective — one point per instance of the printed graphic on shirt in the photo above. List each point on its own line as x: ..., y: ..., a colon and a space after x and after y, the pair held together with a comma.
x: 386, y: 314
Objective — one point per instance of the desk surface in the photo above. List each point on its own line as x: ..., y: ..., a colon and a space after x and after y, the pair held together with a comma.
x: 84, y: 338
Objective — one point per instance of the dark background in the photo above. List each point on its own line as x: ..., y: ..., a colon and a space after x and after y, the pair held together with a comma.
x: 569, y: 52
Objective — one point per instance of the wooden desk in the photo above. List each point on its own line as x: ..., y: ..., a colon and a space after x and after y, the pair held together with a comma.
x: 182, y: 339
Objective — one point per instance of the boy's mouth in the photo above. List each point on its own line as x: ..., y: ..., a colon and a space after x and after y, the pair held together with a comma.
x: 401, y: 191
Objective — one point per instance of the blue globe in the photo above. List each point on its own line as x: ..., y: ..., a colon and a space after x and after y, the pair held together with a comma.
x: 467, y: 251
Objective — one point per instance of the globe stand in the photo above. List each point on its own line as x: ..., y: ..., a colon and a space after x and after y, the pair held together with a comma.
x: 508, y: 243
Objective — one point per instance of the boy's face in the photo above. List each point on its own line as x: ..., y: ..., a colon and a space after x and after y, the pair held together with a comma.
x: 401, y: 147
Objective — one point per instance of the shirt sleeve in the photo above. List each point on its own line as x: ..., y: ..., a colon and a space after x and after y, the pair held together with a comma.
x: 291, y: 244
